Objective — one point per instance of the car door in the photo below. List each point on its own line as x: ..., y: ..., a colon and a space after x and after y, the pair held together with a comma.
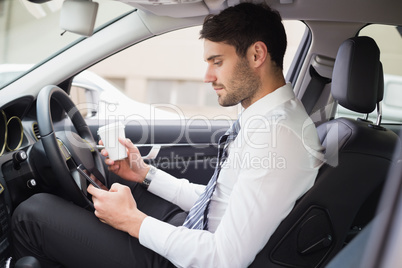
x: 156, y: 89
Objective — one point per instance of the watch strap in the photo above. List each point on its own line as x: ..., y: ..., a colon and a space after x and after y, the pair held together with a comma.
x: 148, y: 178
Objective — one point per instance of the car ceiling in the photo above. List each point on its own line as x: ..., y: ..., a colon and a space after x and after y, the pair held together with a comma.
x: 363, y: 11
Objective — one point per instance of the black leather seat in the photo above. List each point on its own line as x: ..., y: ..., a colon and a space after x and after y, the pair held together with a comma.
x: 357, y: 158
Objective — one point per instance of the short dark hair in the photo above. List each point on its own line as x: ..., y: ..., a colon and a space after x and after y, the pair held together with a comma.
x: 243, y: 25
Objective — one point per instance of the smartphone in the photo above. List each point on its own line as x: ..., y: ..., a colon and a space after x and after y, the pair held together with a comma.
x: 91, y: 178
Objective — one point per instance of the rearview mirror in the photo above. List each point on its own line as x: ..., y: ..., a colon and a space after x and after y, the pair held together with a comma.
x: 78, y: 16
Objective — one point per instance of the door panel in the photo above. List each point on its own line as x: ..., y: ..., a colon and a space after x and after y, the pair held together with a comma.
x: 185, y: 149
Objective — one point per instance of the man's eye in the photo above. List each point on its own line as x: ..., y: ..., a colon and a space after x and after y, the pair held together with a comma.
x: 218, y: 63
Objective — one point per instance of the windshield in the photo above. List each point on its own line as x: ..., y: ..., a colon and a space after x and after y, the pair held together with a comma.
x: 30, y: 33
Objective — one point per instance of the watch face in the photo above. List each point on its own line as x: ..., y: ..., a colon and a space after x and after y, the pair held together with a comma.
x: 147, y: 179
x: 146, y: 183
x: 152, y: 170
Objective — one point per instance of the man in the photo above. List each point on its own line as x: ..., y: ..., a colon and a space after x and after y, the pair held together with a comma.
x: 265, y: 163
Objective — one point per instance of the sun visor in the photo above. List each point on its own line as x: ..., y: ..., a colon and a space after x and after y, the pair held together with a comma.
x: 78, y: 16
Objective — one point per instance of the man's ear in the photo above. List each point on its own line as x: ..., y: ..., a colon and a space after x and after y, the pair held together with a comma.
x: 259, y: 53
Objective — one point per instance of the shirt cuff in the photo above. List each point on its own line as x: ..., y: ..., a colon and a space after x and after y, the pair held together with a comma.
x: 163, y: 184
x: 154, y: 234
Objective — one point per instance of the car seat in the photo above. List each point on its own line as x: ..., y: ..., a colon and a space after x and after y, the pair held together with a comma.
x: 357, y: 158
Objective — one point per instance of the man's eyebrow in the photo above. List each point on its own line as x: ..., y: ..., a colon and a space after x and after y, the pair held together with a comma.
x: 213, y: 57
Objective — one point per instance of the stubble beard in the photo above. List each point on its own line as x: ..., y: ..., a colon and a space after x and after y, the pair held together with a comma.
x: 242, y: 86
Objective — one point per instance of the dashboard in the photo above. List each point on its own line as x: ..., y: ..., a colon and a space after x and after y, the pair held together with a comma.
x: 18, y: 131
x: 25, y: 168
x: 12, y: 134
x: 18, y: 127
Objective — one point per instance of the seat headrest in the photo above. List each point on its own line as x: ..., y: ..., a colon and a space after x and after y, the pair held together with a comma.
x: 356, y: 74
x: 380, y: 92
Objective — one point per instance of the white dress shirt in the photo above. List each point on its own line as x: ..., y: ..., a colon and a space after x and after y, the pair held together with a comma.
x: 273, y: 162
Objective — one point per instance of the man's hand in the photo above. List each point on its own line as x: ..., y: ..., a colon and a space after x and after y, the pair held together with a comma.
x: 132, y: 168
x: 117, y: 208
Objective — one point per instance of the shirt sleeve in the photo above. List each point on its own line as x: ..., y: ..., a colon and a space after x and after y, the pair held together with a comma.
x: 262, y: 197
x: 178, y: 191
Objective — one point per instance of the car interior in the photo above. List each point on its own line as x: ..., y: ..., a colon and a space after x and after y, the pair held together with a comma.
x: 336, y: 67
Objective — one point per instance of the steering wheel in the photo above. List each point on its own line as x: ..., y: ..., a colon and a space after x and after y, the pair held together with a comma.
x: 67, y: 149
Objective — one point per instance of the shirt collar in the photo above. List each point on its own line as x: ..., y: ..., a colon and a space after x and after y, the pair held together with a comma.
x: 268, y: 102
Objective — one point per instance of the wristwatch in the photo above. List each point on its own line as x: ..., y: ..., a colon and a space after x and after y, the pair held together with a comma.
x: 148, y: 178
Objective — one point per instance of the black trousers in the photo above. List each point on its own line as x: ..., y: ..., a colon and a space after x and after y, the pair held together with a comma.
x: 61, y: 234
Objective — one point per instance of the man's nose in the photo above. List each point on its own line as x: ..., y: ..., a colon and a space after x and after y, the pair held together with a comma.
x: 209, y: 76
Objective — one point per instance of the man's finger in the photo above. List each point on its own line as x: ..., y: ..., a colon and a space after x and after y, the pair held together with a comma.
x: 127, y: 143
x: 115, y: 187
x: 98, y: 216
x: 91, y: 189
x: 104, y: 152
x: 114, y: 168
x: 109, y: 161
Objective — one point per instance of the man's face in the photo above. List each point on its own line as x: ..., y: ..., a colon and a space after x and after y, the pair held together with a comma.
x: 231, y: 76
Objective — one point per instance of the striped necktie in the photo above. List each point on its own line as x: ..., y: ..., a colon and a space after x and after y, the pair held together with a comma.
x: 197, y: 217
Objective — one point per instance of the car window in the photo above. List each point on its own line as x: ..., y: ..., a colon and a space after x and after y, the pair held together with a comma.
x: 21, y: 45
x: 389, y: 41
x: 162, y: 77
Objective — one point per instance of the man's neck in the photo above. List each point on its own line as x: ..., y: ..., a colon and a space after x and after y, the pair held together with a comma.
x: 268, y: 86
